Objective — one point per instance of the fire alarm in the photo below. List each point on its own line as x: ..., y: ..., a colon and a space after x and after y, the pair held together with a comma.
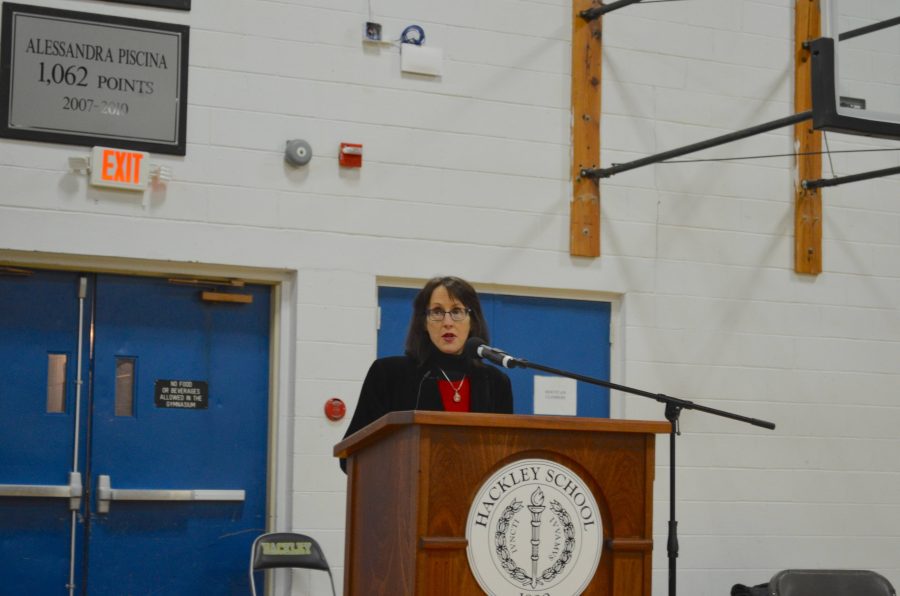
x: 350, y: 155
x: 335, y: 409
x: 298, y: 152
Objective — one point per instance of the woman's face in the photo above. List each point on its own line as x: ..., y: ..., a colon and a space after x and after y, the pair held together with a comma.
x: 447, y: 335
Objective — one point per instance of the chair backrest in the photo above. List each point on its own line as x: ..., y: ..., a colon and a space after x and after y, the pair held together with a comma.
x: 287, y: 549
x: 829, y: 582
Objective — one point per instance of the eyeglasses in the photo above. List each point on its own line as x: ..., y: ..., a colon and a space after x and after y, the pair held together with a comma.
x: 457, y: 314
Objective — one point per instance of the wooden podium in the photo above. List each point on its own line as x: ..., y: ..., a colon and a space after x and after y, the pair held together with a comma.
x: 412, y: 477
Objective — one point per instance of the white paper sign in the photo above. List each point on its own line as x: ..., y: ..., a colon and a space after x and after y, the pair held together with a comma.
x: 556, y: 396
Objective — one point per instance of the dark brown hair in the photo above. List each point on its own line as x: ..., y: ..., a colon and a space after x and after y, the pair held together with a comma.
x: 418, y: 344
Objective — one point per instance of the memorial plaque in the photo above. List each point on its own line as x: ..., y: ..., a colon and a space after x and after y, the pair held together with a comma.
x: 88, y: 79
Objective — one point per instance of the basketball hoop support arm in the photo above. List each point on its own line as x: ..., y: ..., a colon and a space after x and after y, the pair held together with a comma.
x: 869, y: 28
x: 823, y: 182
x: 598, y: 11
x: 714, y: 142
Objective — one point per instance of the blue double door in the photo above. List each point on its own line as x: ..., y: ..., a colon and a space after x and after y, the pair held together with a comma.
x: 571, y: 335
x: 133, y: 434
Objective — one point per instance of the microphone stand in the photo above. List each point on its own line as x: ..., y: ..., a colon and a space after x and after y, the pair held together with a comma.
x: 674, y: 406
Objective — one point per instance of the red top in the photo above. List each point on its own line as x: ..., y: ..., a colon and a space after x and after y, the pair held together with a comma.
x: 447, y: 390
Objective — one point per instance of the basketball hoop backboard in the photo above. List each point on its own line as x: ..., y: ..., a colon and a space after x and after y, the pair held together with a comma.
x: 856, y: 68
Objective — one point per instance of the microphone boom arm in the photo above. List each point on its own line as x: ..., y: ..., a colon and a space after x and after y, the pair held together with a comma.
x: 676, y: 402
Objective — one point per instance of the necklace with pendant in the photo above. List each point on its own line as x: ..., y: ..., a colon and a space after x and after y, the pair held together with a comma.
x: 456, y: 396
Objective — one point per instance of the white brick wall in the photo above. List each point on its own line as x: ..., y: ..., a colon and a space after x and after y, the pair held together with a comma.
x: 468, y: 174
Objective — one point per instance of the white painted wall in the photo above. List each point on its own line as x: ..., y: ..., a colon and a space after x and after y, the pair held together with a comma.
x: 468, y: 174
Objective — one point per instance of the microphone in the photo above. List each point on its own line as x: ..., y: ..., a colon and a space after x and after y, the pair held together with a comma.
x: 475, y: 347
x: 419, y: 390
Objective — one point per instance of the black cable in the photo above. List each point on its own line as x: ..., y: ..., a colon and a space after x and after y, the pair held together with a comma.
x: 828, y: 152
x: 414, y: 35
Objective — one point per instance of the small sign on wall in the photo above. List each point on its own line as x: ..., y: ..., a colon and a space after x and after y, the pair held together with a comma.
x: 88, y: 79
x: 182, y: 395
x: 556, y: 396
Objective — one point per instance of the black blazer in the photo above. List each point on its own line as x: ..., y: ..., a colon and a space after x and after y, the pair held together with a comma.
x: 398, y: 383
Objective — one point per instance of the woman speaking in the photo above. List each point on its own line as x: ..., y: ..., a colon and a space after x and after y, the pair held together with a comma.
x: 435, y: 373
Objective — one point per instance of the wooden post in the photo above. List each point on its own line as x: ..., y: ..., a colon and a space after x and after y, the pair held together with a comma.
x: 584, y: 221
x: 808, y: 143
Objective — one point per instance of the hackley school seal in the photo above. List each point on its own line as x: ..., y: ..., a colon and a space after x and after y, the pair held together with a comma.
x: 534, y: 529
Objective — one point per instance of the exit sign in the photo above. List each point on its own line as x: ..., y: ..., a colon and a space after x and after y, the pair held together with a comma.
x: 118, y: 168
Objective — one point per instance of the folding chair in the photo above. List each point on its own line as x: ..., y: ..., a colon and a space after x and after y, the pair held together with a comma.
x: 829, y: 582
x: 287, y: 549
